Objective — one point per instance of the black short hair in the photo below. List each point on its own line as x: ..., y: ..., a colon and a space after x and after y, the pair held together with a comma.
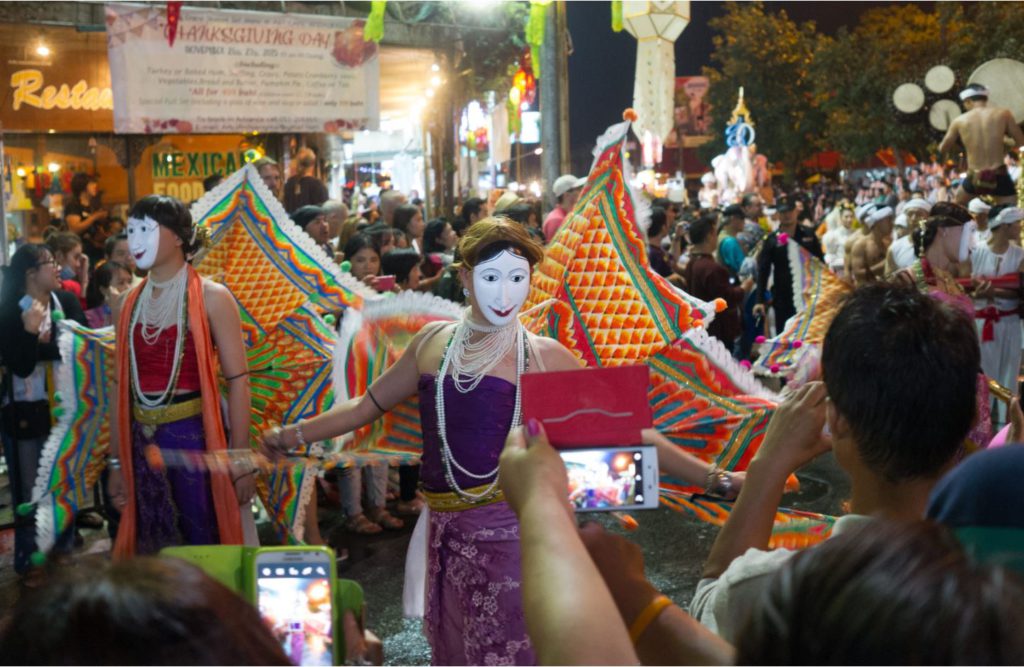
x: 748, y: 199
x: 902, y: 369
x: 399, y: 263
x: 142, y: 611
x: 358, y: 242
x: 470, y: 207
x: 111, y: 243
x: 212, y: 181
x: 894, y: 593
x: 79, y: 182
x: 173, y: 214
x: 659, y: 218
x: 520, y: 212
x: 701, y: 229
x: 432, y: 235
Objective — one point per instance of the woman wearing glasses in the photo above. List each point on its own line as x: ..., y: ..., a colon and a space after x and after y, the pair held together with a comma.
x: 31, y: 303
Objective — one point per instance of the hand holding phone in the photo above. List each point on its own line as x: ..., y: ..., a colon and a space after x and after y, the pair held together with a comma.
x: 384, y: 283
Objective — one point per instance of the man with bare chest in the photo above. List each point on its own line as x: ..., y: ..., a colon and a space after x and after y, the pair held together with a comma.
x: 867, y: 256
x: 982, y: 130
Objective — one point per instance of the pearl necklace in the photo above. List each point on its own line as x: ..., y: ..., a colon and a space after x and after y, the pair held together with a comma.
x: 158, y: 313
x: 472, y: 361
x: 456, y: 345
x: 140, y: 315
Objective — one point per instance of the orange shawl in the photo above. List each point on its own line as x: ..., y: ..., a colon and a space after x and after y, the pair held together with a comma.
x: 225, y: 501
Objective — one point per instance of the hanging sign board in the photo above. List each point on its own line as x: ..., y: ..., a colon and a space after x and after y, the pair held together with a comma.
x: 239, y: 71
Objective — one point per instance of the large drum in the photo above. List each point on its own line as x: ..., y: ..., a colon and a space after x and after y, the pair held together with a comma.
x: 1004, y: 78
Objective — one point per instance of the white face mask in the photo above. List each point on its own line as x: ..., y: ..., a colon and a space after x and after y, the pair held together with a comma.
x: 143, y: 241
x: 967, y: 242
x: 501, y: 285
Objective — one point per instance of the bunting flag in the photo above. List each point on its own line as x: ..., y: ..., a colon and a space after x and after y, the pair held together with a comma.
x: 817, y: 294
x: 71, y: 459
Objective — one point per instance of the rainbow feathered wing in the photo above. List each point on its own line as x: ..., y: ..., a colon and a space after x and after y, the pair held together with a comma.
x: 817, y: 295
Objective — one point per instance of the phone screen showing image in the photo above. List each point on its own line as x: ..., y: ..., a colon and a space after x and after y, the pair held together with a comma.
x: 606, y: 479
x: 295, y: 602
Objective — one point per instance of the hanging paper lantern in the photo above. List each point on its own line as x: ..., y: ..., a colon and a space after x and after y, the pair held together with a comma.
x: 515, y: 96
x: 656, y: 25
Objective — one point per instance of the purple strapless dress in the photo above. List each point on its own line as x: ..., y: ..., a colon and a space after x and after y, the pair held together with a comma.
x: 474, y: 606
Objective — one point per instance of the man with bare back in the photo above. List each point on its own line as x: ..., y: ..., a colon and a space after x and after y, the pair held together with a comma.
x: 867, y: 257
x: 982, y: 130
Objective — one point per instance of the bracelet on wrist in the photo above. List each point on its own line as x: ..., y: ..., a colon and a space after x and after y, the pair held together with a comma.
x: 647, y: 616
x: 114, y: 463
x: 299, y: 438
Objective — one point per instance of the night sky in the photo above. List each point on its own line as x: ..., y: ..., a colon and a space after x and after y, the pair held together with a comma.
x: 603, y: 62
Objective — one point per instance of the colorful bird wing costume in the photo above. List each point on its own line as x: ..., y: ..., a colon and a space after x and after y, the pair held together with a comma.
x: 817, y: 294
x: 268, y: 262
x: 596, y: 294
x: 290, y: 379
x: 371, y: 340
x: 68, y: 470
x: 793, y: 529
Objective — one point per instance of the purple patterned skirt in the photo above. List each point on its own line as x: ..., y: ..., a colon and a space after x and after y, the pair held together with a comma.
x: 173, y: 506
x: 474, y: 606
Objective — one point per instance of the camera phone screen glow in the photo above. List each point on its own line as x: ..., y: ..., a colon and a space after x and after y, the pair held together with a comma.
x: 295, y: 603
x: 604, y: 478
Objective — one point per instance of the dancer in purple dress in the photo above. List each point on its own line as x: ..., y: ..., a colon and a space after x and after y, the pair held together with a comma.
x: 474, y: 603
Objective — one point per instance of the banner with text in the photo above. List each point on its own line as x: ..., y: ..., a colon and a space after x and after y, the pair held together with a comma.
x: 240, y: 72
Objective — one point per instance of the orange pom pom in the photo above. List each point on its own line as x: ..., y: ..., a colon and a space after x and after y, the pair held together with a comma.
x: 720, y: 305
x: 630, y: 115
x: 154, y: 457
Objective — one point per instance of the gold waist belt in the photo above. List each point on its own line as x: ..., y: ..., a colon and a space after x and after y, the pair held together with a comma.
x: 453, y: 502
x: 168, y: 413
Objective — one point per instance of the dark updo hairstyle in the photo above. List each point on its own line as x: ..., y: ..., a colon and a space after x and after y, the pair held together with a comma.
x: 403, y: 216
x: 359, y: 242
x: 886, y: 593
x: 171, y: 213
x: 79, y: 183
x: 432, y: 236
x: 26, y: 258
x: 101, y: 279
x: 943, y: 214
x: 399, y: 263
x: 487, y: 238
x: 143, y: 611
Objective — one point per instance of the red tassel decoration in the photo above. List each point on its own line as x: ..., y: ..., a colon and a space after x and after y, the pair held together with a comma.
x: 173, y: 15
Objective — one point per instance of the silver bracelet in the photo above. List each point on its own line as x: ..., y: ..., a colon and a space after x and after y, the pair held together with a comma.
x: 298, y: 435
x: 114, y: 463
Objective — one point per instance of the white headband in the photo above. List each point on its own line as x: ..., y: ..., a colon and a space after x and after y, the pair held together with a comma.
x: 918, y: 203
x: 901, y: 220
x: 878, y: 215
x: 978, y: 206
x: 968, y: 93
x: 1007, y: 216
x: 863, y: 210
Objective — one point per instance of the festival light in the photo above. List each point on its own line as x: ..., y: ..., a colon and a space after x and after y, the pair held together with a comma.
x: 43, y: 50
x: 53, y: 167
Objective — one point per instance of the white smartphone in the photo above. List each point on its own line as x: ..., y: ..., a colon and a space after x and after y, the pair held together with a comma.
x: 612, y: 478
x: 295, y: 599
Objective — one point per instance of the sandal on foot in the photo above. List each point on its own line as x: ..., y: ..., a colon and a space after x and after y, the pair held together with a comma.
x: 384, y: 519
x: 361, y: 525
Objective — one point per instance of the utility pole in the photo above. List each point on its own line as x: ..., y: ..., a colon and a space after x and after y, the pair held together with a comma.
x: 552, y: 91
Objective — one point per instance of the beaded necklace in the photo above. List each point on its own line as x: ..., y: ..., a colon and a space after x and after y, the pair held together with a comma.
x: 447, y: 458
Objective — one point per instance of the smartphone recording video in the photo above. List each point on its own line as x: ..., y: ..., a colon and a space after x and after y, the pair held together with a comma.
x: 294, y: 599
x: 612, y: 478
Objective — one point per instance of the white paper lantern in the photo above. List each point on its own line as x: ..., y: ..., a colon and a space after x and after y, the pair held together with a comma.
x: 656, y: 26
